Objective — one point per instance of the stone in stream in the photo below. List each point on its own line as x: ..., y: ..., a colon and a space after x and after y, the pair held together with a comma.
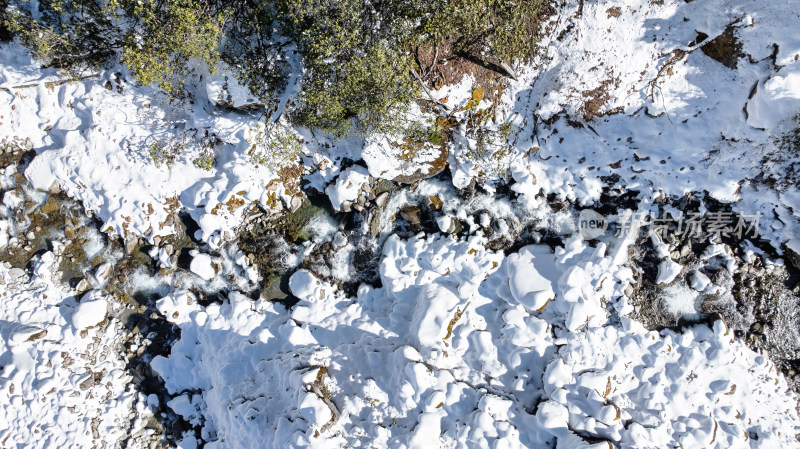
x: 448, y: 224
x: 411, y: 214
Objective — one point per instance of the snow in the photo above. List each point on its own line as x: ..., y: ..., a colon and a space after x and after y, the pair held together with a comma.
x: 90, y: 312
x: 225, y: 90
x: 60, y: 385
x: 668, y: 270
x: 201, y: 265
x: 404, y: 371
x: 459, y: 345
x: 348, y: 186
x: 527, y: 286
x: 698, y: 281
x: 447, y: 224
x: 95, y: 144
x: 776, y: 100
x: 681, y: 301
x: 689, y: 114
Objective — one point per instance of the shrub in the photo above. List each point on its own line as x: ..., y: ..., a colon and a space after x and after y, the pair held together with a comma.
x: 165, y: 36
x: 67, y: 34
x: 162, y: 154
x: 363, y: 90
x: 357, y: 55
x: 274, y: 146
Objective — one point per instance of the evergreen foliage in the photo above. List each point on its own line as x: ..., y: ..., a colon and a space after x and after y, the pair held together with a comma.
x: 357, y: 55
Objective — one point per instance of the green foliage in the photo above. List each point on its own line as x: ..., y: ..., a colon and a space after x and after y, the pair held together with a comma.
x: 274, y: 146
x: 155, y: 39
x: 66, y: 34
x: 166, y: 36
x: 433, y: 134
x: 504, y: 28
x: 5, y: 34
x: 205, y: 161
x: 357, y: 55
x: 364, y: 89
x: 163, y: 155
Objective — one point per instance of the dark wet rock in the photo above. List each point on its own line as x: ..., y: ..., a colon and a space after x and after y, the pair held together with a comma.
x: 725, y: 49
x: 792, y: 249
x: 276, y: 287
x: 50, y: 206
x: 374, y: 223
x: 411, y: 214
x: 434, y: 203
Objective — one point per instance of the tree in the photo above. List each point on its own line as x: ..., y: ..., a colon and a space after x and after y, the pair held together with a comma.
x: 357, y: 55
x: 165, y: 35
x: 64, y: 33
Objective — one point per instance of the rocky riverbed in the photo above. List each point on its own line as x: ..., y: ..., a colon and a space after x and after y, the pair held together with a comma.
x: 741, y: 281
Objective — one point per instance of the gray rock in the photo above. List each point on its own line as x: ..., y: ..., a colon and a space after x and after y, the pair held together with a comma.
x: 375, y: 223
x: 448, y: 225
x: 686, y: 250
x: 629, y: 291
x: 83, y: 286
x: 382, y: 199
x: 130, y: 244
x: 410, y: 214
x: 55, y: 188
x: 296, y: 203
x: 104, y: 272
x: 273, y: 291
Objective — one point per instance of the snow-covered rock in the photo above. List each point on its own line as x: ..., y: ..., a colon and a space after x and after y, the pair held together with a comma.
x: 434, y: 309
x: 348, y: 186
x: 526, y: 285
x: 698, y: 280
x: 777, y: 99
x: 91, y: 311
x: 668, y: 270
x: 447, y: 224
x: 202, y: 265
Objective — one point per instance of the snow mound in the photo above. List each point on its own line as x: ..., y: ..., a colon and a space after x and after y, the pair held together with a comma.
x: 202, y: 266
x: 444, y: 354
x: 90, y: 312
x: 527, y: 286
x: 776, y: 100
